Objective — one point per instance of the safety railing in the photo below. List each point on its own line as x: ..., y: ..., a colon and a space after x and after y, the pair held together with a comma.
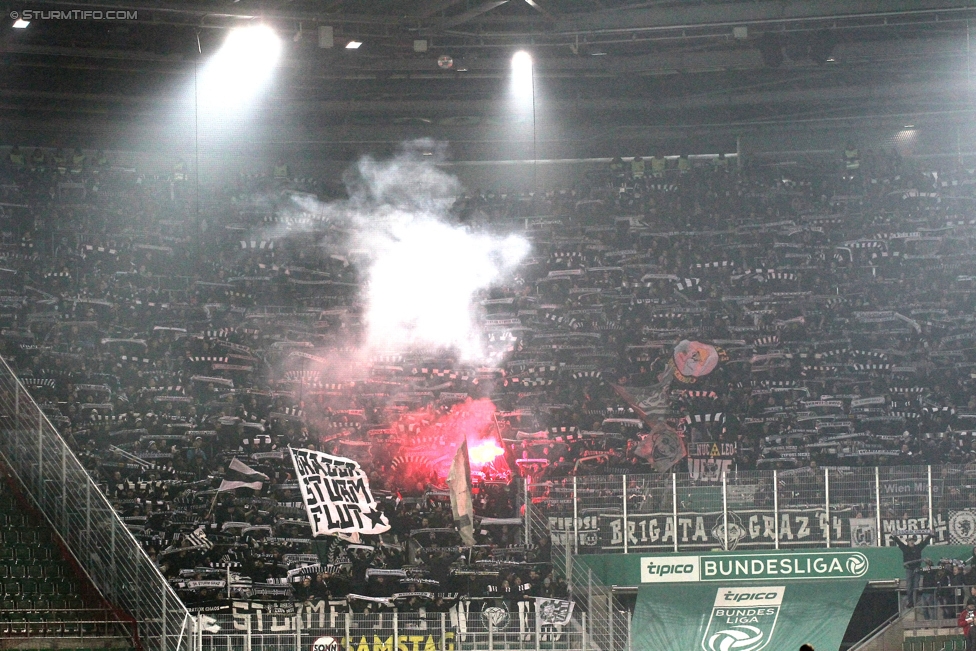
x: 481, y: 625
x: 83, y: 623
x: 64, y: 493
x: 808, y: 507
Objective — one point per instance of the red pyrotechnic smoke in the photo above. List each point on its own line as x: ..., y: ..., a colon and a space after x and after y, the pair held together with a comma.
x: 435, y: 440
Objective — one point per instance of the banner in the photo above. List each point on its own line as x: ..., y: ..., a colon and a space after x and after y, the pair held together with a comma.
x: 962, y: 527
x: 553, y: 612
x: 864, y: 532
x: 336, y: 494
x: 771, y: 615
x: 782, y: 565
x: 905, y: 525
x: 459, y: 481
x: 708, y: 461
x: 706, y: 530
x: 743, y: 619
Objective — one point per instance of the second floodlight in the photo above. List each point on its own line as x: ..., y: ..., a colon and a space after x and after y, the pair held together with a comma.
x: 522, y: 74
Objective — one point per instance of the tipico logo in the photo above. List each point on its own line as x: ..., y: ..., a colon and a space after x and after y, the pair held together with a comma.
x: 669, y: 569
x: 743, y: 619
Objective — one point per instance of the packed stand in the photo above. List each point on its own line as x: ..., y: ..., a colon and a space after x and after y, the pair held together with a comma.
x: 177, y: 351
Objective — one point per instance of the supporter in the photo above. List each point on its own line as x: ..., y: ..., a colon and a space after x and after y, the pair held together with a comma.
x: 966, y: 620
x: 839, y: 318
x: 912, y: 560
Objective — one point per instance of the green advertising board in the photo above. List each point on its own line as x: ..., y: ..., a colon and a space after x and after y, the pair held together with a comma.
x: 868, y: 563
x: 749, y: 601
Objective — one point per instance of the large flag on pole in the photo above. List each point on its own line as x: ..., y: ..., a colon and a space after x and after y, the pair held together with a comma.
x: 229, y: 485
x: 246, y: 470
x: 459, y: 481
x: 336, y: 494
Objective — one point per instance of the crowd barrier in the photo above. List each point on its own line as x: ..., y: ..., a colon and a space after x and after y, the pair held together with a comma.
x: 255, y: 627
x: 792, y: 509
x: 808, y: 507
x: 75, y: 508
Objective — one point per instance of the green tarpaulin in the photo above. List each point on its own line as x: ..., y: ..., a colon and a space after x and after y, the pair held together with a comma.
x: 736, y: 617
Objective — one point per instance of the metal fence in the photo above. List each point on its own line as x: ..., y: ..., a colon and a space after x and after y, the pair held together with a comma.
x: 79, y: 513
x: 470, y: 625
x: 810, y: 507
x: 92, y: 624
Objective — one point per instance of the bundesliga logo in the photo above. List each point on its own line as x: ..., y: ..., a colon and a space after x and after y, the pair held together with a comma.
x: 743, y: 619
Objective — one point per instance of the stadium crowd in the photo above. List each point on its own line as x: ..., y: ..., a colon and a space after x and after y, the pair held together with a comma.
x: 826, y: 308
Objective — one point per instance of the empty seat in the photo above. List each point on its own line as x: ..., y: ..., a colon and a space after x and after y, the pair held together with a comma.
x: 52, y: 570
x: 65, y: 587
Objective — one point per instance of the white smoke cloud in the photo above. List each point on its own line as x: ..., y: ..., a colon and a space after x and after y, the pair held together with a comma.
x: 424, y: 271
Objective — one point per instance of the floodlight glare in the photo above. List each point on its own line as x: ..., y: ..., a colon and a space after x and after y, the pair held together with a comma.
x: 353, y: 45
x: 252, y: 46
x: 241, y: 66
x: 522, y: 74
x: 20, y: 23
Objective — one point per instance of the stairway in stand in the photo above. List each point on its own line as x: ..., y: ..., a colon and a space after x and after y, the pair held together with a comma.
x: 44, y: 602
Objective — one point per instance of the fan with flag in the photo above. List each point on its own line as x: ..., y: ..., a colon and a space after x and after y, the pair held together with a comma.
x: 246, y: 477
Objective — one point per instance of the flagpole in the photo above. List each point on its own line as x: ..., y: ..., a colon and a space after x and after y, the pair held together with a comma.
x: 212, y: 503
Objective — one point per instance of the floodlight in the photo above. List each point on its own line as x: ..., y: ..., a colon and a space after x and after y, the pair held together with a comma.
x: 522, y: 74
x: 20, y: 23
x: 241, y: 66
x: 256, y: 45
x: 353, y: 45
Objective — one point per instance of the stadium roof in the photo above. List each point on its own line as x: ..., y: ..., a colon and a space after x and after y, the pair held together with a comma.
x: 609, y: 71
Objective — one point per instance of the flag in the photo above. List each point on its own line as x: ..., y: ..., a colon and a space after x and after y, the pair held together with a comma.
x: 459, y: 481
x: 197, y: 539
x: 662, y: 447
x: 210, y: 624
x: 336, y: 495
x: 553, y: 612
x: 228, y: 485
x: 246, y: 470
x: 649, y: 401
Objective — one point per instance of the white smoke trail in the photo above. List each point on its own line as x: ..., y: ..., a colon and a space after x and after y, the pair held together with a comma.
x: 424, y: 271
